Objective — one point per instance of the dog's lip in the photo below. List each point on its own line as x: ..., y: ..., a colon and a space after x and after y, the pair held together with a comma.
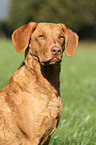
x: 51, y: 61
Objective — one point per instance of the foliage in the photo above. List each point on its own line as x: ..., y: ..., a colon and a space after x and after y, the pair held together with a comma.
x: 5, y: 30
x: 78, y: 92
x: 74, y: 13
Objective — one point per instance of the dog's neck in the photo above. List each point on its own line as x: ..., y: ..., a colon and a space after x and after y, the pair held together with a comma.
x: 49, y: 73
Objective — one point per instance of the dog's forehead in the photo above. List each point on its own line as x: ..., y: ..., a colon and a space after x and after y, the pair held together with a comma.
x: 49, y: 27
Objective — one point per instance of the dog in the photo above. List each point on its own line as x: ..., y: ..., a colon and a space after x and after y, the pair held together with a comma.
x: 30, y: 104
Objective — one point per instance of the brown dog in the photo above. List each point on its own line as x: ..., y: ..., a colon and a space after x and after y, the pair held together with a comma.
x: 30, y: 104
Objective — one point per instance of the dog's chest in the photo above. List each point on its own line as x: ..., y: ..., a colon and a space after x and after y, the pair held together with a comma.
x: 41, y: 115
x: 45, y: 120
x: 45, y: 109
x: 49, y: 110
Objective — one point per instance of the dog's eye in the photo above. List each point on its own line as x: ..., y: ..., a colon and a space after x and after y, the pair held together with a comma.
x: 41, y: 36
x: 61, y: 37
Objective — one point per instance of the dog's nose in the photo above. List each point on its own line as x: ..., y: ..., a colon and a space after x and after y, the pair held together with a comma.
x: 56, y: 50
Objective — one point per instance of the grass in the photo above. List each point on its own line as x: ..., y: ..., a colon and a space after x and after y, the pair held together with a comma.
x: 10, y: 60
x: 78, y: 92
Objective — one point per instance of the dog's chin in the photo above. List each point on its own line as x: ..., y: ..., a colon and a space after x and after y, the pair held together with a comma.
x: 53, y: 61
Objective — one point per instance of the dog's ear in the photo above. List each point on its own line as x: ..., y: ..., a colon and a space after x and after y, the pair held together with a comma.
x: 21, y: 36
x: 71, y: 41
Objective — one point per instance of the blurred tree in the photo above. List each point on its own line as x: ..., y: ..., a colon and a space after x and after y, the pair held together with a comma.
x: 74, y: 13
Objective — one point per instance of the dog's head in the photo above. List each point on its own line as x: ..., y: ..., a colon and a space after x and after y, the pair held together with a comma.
x: 47, y: 41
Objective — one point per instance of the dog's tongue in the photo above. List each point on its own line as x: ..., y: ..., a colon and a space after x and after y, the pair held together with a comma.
x: 43, y: 63
x: 55, y: 59
x: 52, y: 61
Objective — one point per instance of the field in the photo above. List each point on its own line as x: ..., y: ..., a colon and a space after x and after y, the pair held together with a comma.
x: 78, y: 92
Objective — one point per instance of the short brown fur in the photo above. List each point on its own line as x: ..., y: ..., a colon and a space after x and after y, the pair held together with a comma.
x: 30, y: 104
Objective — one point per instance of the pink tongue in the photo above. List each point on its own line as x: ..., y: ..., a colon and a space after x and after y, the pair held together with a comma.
x: 55, y: 59
x: 42, y: 63
x: 45, y: 63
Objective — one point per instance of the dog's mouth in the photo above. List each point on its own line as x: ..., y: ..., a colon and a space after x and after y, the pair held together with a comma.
x: 52, y: 61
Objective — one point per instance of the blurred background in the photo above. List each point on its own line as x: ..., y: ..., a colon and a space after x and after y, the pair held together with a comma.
x: 78, y: 74
x: 78, y: 15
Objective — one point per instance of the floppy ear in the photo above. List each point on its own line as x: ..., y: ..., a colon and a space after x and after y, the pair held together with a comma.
x: 72, y: 43
x: 21, y: 36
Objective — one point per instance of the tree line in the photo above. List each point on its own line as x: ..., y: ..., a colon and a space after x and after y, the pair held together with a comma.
x: 78, y: 15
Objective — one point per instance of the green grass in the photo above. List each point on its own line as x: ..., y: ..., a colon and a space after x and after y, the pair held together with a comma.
x: 10, y: 60
x: 78, y: 92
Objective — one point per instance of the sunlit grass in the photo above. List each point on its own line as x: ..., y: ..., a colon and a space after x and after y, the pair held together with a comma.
x: 9, y: 61
x: 78, y: 92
